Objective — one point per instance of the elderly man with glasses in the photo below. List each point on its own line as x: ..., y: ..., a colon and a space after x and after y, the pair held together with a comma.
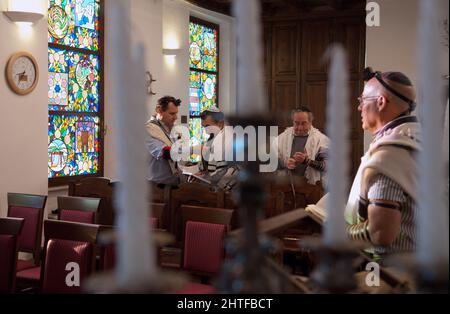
x: 381, y: 209
x: 303, y: 149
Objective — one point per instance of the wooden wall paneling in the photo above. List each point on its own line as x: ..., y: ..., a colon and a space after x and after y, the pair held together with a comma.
x: 284, y: 98
x: 284, y: 48
x: 316, y: 99
x: 297, y: 71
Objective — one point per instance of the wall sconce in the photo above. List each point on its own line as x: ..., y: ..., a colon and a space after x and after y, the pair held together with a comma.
x: 171, y: 52
x: 24, y: 11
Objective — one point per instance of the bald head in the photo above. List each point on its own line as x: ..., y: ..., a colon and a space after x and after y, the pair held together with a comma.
x: 386, y: 96
x: 400, y: 83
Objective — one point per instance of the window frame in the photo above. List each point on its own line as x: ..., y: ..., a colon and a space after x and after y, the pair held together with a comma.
x: 100, y: 53
x: 216, y: 27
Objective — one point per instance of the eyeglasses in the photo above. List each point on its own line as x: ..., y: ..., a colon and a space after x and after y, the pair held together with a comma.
x: 361, y: 99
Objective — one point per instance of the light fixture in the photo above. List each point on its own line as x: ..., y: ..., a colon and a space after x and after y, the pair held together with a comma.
x: 24, y: 11
x: 171, y: 52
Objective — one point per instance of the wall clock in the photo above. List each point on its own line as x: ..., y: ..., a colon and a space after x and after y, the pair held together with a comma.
x: 22, y: 73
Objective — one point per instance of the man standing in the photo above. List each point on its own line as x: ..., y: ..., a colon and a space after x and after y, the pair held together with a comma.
x: 382, y: 207
x: 162, y: 169
x: 220, y: 172
x: 303, y: 148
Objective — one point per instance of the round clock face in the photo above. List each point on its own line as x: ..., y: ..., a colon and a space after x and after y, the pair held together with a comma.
x: 22, y: 73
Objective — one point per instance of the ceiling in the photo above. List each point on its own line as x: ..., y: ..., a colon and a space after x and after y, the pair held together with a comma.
x: 273, y: 7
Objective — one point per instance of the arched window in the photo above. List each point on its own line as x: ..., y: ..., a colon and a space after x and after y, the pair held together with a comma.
x: 75, y: 89
x: 204, y: 72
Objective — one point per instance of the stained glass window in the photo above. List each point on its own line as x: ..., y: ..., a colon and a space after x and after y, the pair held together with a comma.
x: 74, y: 88
x: 203, y: 79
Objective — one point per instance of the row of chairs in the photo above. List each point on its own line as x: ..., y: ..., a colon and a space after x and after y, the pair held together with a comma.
x: 28, y: 210
x: 204, y: 231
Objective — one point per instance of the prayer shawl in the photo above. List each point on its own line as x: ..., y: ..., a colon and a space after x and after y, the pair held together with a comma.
x: 156, y: 131
x: 392, y: 154
x: 315, y: 142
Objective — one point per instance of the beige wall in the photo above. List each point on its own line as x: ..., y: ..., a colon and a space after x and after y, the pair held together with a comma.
x: 23, y: 119
x: 394, y: 44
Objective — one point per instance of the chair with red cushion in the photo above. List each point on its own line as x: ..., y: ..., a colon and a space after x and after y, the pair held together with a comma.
x: 10, y: 229
x: 97, y: 187
x: 66, y: 243
x: 30, y: 207
x: 203, y: 254
x: 203, y: 247
x: 78, y: 209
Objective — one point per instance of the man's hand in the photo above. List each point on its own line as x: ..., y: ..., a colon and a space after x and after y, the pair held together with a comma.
x: 291, y: 164
x: 300, y: 157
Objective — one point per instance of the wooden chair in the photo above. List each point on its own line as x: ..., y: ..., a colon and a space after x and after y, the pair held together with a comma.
x: 214, y: 215
x: 204, y: 230
x: 78, y: 209
x: 67, y: 242
x: 30, y: 207
x: 208, y: 215
x: 194, y: 194
x: 10, y: 229
x: 156, y: 214
x: 97, y: 187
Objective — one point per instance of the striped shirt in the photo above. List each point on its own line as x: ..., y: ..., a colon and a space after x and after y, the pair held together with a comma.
x: 382, y: 187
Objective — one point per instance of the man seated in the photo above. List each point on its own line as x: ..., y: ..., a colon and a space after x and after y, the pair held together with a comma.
x: 303, y: 149
x: 161, y: 168
x: 218, y: 171
x: 382, y: 206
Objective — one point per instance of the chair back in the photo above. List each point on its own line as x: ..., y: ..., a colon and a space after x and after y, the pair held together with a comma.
x: 78, y: 209
x: 203, y: 247
x: 220, y: 216
x: 156, y: 214
x: 69, y: 247
x: 30, y: 207
x: 97, y: 187
x: 10, y: 229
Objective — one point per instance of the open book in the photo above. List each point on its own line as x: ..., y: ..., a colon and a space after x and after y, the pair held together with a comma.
x: 193, y: 173
x: 318, y: 209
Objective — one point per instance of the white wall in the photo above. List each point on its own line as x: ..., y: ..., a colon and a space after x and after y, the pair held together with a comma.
x: 176, y: 15
x: 23, y: 119
x: 146, y: 28
x: 393, y: 46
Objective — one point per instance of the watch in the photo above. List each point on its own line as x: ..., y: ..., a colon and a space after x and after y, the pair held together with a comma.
x: 22, y: 73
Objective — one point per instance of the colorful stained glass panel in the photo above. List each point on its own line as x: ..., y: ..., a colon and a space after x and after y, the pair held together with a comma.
x: 202, y: 47
x: 58, y: 88
x: 203, y: 92
x: 74, y: 23
x: 73, y: 145
x: 196, y: 134
x: 82, y: 75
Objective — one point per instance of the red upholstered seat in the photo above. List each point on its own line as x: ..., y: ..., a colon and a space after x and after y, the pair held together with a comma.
x: 196, y: 288
x: 77, y: 216
x: 30, y: 274
x: 59, y: 254
x: 203, y: 247
x: 7, y: 259
x: 24, y: 264
x: 27, y: 238
x: 10, y: 229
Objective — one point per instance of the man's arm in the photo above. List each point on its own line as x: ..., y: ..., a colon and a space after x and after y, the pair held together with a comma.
x: 384, y: 224
x: 382, y: 221
x: 154, y: 147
